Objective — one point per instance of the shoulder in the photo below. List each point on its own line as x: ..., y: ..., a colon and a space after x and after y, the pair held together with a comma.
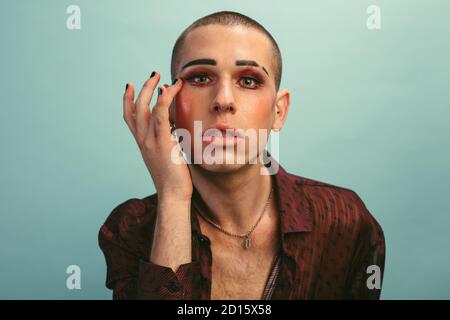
x: 131, y: 212
x: 336, y: 204
x: 130, y: 223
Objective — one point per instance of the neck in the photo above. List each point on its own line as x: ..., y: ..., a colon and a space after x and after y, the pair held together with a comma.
x: 234, y: 200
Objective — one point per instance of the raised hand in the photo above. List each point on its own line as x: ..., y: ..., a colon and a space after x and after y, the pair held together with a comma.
x: 152, y: 132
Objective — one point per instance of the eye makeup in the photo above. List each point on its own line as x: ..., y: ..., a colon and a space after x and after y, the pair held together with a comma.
x: 250, y: 63
x: 252, y: 75
x: 201, y: 77
x: 212, y: 62
x: 192, y: 75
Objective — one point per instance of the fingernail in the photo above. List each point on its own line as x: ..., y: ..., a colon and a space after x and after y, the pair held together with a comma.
x: 166, y: 85
x: 159, y: 91
x: 153, y: 74
x: 175, y: 81
x: 126, y: 87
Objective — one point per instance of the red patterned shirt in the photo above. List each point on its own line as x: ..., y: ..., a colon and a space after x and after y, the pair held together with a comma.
x: 328, y: 241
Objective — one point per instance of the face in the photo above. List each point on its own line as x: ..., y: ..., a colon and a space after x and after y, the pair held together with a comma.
x: 228, y: 78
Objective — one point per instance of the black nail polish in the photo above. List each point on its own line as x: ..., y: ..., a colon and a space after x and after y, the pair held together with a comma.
x: 153, y: 74
x: 159, y: 91
x: 175, y: 81
x: 126, y: 87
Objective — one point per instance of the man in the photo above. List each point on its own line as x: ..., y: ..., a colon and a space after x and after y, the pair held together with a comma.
x: 221, y: 230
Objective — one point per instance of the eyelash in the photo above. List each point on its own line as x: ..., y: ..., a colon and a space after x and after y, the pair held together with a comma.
x: 258, y: 81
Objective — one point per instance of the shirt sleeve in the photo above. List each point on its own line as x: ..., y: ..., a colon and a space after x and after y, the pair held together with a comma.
x: 129, y: 272
x: 368, y: 263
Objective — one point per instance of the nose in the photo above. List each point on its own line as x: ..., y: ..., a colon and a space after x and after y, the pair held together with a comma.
x: 224, y: 100
x: 227, y: 108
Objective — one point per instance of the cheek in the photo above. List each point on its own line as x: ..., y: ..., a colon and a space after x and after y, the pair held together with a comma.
x: 261, y: 111
x: 186, y: 109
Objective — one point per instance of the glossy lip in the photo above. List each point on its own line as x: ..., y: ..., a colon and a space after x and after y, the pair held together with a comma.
x: 230, y: 136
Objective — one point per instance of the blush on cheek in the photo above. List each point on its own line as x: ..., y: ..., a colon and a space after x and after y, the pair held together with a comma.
x: 261, y: 112
x: 185, y: 112
x: 191, y: 104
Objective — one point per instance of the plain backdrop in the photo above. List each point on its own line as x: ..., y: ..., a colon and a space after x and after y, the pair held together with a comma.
x: 370, y: 112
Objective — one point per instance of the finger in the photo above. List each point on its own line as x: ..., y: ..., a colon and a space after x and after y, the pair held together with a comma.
x: 143, y: 114
x: 160, y: 125
x: 165, y: 99
x: 172, y: 107
x: 129, y: 108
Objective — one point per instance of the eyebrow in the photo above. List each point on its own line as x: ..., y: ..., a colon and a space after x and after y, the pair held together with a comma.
x: 213, y: 62
x: 250, y: 63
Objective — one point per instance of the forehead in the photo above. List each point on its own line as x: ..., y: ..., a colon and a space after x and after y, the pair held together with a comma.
x: 226, y: 44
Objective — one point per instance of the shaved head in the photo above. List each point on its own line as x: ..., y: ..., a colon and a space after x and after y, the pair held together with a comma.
x: 227, y: 18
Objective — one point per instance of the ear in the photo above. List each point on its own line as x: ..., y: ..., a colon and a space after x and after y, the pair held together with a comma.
x: 282, y: 104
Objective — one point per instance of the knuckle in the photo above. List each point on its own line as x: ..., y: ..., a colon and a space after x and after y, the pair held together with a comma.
x: 147, y: 144
x: 141, y: 142
x: 159, y: 121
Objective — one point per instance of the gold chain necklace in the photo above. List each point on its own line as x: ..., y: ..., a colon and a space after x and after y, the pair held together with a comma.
x: 248, y: 241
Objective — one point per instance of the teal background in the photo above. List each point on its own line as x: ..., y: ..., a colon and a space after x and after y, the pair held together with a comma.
x: 370, y: 111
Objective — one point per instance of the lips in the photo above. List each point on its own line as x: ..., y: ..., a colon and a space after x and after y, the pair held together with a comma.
x: 229, y: 135
x: 224, y: 129
x: 221, y: 140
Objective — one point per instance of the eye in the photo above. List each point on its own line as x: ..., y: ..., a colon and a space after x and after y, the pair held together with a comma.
x: 198, y: 78
x: 250, y: 82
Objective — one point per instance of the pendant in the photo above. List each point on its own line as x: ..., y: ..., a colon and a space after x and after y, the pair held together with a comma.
x: 247, y: 243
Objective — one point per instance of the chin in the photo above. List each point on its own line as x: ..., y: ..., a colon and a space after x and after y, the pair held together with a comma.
x: 228, y: 162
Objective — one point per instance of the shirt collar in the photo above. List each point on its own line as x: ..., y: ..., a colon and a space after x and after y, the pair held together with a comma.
x: 293, y: 206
